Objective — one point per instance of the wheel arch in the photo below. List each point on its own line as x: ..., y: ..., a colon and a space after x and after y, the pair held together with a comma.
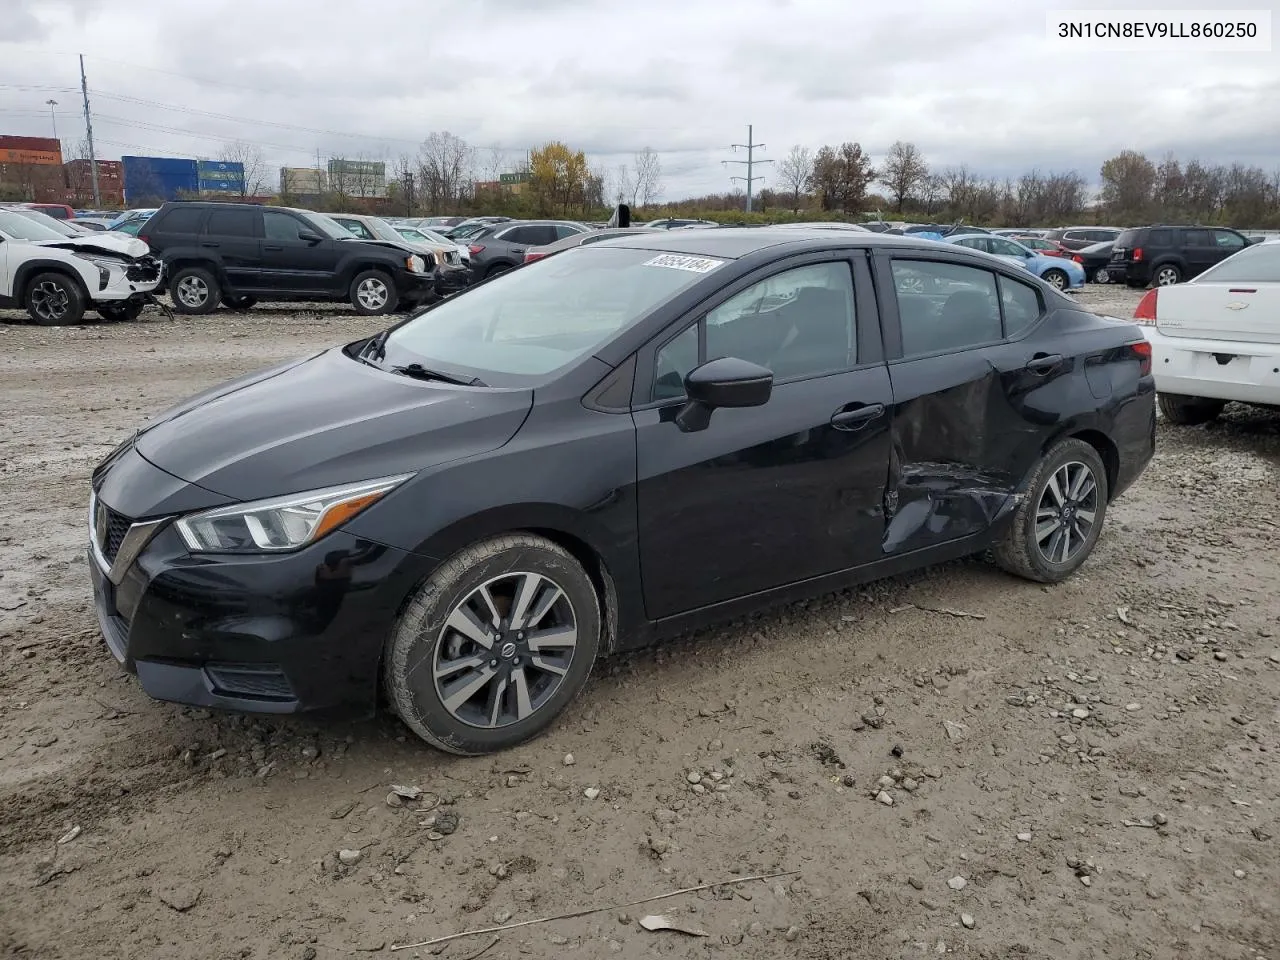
x: 33, y: 268
x: 1106, y: 448
x: 355, y: 267
x: 183, y: 261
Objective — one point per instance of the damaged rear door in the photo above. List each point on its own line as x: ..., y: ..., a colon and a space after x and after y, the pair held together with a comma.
x: 973, y: 393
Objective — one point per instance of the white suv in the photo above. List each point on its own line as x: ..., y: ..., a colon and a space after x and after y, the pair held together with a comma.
x: 57, y: 278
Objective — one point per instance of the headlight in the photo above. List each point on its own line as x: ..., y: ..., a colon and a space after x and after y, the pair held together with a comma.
x: 283, y: 523
x: 415, y: 264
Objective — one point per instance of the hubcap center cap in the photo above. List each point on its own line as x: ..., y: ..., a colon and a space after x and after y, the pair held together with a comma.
x: 508, y: 651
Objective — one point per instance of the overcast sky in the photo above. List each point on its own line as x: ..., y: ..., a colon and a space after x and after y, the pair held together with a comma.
x: 969, y: 81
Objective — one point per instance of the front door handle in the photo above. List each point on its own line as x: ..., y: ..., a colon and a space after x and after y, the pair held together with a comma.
x: 272, y: 246
x: 1044, y: 363
x: 209, y: 243
x: 857, y: 418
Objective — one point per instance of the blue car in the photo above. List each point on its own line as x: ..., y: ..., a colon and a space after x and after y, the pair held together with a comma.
x: 1058, y: 271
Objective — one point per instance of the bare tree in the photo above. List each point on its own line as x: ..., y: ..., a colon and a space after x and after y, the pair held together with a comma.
x: 647, y: 186
x: 903, y: 171
x: 250, y: 156
x: 623, y: 185
x: 796, y: 170
x: 495, y: 163
x: 445, y: 164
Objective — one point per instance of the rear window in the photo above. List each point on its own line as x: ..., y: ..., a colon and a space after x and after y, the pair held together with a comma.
x: 1258, y: 264
x: 178, y: 220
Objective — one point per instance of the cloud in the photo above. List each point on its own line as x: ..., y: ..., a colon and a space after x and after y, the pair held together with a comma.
x: 968, y: 81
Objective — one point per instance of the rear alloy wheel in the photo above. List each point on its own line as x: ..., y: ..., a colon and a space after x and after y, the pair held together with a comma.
x: 194, y: 290
x: 1056, y: 278
x: 494, y: 645
x: 1166, y: 275
x: 1101, y: 275
x: 54, y: 300
x: 1188, y: 411
x: 373, y: 293
x: 1058, y: 523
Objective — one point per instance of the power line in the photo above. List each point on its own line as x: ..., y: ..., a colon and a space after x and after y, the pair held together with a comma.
x: 750, y: 146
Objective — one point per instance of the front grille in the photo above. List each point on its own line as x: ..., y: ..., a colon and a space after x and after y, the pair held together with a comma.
x: 144, y: 269
x: 117, y: 525
x: 260, y: 681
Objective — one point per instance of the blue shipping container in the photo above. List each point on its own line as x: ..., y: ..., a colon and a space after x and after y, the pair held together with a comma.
x: 158, y: 178
x: 218, y: 171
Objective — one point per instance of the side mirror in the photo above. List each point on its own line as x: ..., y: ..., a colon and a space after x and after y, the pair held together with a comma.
x: 726, y: 382
x: 308, y: 237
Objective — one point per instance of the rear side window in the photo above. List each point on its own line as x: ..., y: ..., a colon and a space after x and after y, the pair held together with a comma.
x: 232, y: 223
x: 945, y: 306
x: 1160, y: 238
x: 1055, y: 235
x: 563, y: 231
x: 179, y: 220
x: 1021, y: 305
x: 1195, y: 238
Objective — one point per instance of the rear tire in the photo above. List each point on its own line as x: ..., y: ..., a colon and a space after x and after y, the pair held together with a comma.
x: 1166, y: 275
x: 54, y: 300
x: 194, y: 291
x: 1188, y: 411
x: 463, y: 695
x: 1101, y: 275
x: 373, y: 293
x: 1067, y: 491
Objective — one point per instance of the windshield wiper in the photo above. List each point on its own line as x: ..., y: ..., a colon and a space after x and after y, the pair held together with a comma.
x: 419, y: 372
x: 375, y: 349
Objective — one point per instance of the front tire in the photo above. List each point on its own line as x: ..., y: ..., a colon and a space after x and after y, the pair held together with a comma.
x: 54, y: 300
x: 1188, y: 411
x: 1058, y: 523
x: 494, y: 645
x: 373, y: 293
x: 1056, y: 278
x: 194, y: 291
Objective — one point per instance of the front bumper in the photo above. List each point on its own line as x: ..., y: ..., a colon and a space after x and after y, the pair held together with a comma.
x: 452, y: 279
x: 414, y: 288
x: 120, y: 287
x: 264, y: 634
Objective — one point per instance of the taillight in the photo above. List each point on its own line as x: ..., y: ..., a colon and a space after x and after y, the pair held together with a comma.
x: 476, y: 249
x: 1142, y: 351
x: 1078, y: 259
x: 1137, y: 254
x: 1146, y: 311
x: 530, y: 257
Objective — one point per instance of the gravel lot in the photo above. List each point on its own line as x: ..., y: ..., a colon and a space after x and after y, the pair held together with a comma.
x: 1080, y: 771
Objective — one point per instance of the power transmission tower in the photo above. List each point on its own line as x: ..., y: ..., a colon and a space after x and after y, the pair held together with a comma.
x: 751, y: 147
x: 88, y: 129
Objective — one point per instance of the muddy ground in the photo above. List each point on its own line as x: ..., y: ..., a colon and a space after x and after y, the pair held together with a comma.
x: 1084, y: 771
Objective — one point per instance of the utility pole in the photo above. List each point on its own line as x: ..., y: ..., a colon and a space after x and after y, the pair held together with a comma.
x: 751, y: 147
x: 88, y: 129
x: 408, y: 193
x: 53, y: 117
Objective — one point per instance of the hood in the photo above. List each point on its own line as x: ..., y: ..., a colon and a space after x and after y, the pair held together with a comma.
x: 324, y: 421
x: 117, y: 243
x: 1098, y: 249
x: 403, y: 245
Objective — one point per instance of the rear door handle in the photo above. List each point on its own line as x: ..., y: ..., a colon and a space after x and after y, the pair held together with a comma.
x: 1043, y: 363
x: 856, y: 418
x: 209, y: 243
x: 271, y: 246
x: 517, y: 252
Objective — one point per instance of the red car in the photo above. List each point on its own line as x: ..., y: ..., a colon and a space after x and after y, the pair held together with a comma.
x: 1046, y: 248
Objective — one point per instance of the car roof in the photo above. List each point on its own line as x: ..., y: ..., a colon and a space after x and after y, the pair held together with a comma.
x: 735, y: 242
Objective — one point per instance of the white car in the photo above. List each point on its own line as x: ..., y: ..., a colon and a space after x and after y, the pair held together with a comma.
x: 1216, y: 338
x: 57, y: 278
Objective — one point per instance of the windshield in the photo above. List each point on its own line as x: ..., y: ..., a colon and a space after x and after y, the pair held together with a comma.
x: 465, y: 233
x: 1258, y: 264
x: 330, y: 228
x: 544, y: 315
x: 19, y: 226
x: 383, y: 230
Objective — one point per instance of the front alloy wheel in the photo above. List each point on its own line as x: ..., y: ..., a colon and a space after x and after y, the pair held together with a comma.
x: 1057, y: 279
x: 494, y: 645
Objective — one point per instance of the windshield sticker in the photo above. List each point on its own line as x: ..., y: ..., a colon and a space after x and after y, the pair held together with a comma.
x: 677, y: 262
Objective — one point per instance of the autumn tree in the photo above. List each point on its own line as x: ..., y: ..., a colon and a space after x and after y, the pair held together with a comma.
x: 557, y: 177
x: 647, y: 185
x: 1128, y: 180
x: 796, y: 171
x: 903, y: 171
x: 841, y: 175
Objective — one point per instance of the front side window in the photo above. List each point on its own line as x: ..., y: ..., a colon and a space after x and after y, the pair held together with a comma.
x: 547, y: 314
x: 798, y: 323
x: 1229, y: 240
x: 280, y: 226
x: 674, y: 361
x: 945, y: 306
x: 1007, y: 248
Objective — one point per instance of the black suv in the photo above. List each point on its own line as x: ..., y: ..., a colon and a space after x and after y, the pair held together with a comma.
x: 1165, y: 254
x: 240, y: 253
x: 1077, y: 238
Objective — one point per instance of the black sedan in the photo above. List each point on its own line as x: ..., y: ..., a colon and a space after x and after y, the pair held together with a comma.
x: 597, y: 450
x: 1094, y: 258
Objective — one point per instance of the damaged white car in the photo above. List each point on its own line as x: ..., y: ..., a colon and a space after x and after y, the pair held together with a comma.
x: 57, y: 278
